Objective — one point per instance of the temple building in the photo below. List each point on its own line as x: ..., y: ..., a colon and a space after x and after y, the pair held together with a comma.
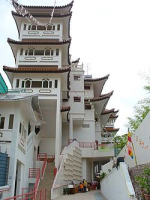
x: 55, y: 117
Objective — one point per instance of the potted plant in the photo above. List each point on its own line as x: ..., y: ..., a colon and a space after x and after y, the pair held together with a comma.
x: 144, y: 182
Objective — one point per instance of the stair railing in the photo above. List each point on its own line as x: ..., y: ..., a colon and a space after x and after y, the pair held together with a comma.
x: 34, y: 195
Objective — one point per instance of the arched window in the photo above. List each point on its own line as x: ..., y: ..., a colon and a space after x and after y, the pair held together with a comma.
x: 49, y: 27
x: 45, y: 83
x: 33, y: 27
x: 47, y: 52
x: 28, y: 83
x: 31, y: 52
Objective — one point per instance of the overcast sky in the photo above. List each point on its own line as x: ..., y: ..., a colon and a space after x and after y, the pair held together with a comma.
x: 110, y: 37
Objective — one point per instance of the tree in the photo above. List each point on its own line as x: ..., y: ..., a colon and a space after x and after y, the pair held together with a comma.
x: 120, y: 142
x: 140, y: 110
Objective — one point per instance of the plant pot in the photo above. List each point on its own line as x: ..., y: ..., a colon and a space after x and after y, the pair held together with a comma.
x: 147, y: 196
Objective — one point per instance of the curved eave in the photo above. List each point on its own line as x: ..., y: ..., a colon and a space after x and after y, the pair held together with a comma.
x: 14, y: 45
x: 108, y: 129
x: 65, y: 108
x: 37, y: 42
x: 10, y: 71
x: 98, y: 84
x: 96, y: 79
x: 107, y: 112
x: 102, y: 97
x: 67, y: 7
x: 14, y: 14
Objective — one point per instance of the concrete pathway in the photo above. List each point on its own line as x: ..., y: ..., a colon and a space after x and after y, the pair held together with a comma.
x: 91, y: 195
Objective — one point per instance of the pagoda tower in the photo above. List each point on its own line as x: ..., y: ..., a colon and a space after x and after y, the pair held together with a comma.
x: 69, y: 105
x: 43, y: 67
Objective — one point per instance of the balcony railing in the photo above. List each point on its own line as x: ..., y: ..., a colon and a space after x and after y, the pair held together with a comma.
x: 39, y: 60
x: 44, y: 34
x: 85, y: 144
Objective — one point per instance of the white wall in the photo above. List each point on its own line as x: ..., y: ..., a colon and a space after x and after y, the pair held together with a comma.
x: 142, y: 153
x: 117, y: 185
x: 47, y: 145
x: 85, y: 134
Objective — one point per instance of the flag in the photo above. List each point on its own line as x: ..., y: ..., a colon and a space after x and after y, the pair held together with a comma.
x: 129, y: 146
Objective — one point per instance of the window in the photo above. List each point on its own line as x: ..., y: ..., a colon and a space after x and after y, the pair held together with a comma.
x: 47, y: 52
x: 28, y: 84
x: 26, y: 52
x: 29, y: 128
x: 52, y: 52
x: 56, y: 83
x: 57, y: 52
x: 58, y: 27
x: 20, y: 128
x: 21, y: 52
x: 77, y: 99
x: 53, y: 28
x: 24, y: 27
x: 33, y: 27
x: 87, y: 107
x: 45, y: 84
x: 36, y: 84
x: 39, y: 53
x: 29, y: 27
x: 87, y: 87
x: 22, y: 84
x: 76, y: 77
x: 50, y: 84
x: 43, y: 28
x: 17, y: 83
x: 30, y: 52
x: 11, y: 121
x: 49, y: 27
x: 2, y: 122
x: 65, y: 100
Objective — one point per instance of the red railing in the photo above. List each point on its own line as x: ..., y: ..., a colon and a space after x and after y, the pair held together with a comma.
x: 39, y: 195
x: 33, y: 172
x: 85, y: 144
x: 37, y: 182
x: 44, y: 165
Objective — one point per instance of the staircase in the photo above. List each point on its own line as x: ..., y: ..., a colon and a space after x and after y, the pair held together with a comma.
x: 47, y: 181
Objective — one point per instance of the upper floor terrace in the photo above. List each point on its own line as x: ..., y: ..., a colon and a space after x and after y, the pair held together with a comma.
x: 41, y: 53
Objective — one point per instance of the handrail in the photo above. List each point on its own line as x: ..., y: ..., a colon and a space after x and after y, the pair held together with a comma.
x: 40, y: 195
x: 44, y: 165
x: 85, y: 144
x: 33, y: 172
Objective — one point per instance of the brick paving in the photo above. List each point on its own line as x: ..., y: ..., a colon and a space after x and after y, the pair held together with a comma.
x: 91, y: 195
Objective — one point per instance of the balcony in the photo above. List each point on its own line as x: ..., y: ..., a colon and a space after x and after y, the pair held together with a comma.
x: 39, y: 60
x: 41, y: 34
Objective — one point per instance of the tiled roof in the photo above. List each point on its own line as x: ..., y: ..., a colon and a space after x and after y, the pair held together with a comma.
x: 106, y: 111
x: 111, y: 129
x: 51, y: 7
x: 102, y: 97
x: 56, y: 15
x: 65, y: 108
x: 96, y: 79
x: 36, y: 69
x: 37, y: 42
